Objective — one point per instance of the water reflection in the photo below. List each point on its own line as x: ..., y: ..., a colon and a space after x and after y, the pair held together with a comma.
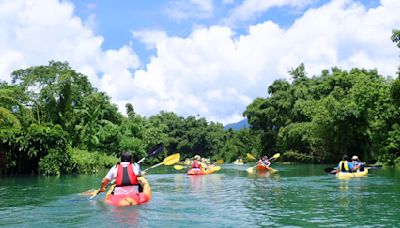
x: 125, y: 215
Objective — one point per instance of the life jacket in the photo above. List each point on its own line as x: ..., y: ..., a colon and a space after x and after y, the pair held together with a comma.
x: 196, y: 164
x: 125, y: 176
x: 344, y: 166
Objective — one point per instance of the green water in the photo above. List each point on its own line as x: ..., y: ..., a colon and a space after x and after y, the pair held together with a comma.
x: 297, y: 196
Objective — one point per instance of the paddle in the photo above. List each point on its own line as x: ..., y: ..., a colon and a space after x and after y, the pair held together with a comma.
x: 179, y: 167
x: 153, y: 151
x: 250, y: 170
x: 250, y: 157
x: 170, y: 160
x: 216, y: 168
x: 219, y: 162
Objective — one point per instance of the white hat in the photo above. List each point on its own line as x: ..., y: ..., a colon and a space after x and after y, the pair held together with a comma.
x: 354, y: 157
x: 197, y: 157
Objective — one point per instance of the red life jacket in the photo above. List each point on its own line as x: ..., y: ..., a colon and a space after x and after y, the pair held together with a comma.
x: 125, y: 176
x: 196, y: 164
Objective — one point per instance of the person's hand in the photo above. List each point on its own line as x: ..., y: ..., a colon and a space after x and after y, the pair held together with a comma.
x: 103, y: 189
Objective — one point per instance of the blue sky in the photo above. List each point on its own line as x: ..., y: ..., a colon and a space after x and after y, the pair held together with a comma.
x: 197, y: 57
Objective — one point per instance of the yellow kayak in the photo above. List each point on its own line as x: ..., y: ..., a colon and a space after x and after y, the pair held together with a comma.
x: 355, y: 174
x: 238, y: 162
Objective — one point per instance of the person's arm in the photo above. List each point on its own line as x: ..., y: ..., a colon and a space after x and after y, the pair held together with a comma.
x: 137, y: 170
x: 112, y: 173
x: 104, y: 184
x: 356, y: 167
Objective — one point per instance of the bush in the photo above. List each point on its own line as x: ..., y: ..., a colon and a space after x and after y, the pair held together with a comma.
x: 84, y: 161
x: 55, y: 162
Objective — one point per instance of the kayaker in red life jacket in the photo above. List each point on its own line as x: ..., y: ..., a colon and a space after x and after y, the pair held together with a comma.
x: 125, y: 173
x: 196, y: 164
x: 264, y: 161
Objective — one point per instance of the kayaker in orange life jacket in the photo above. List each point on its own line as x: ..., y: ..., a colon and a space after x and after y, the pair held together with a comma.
x: 125, y: 173
x: 196, y: 164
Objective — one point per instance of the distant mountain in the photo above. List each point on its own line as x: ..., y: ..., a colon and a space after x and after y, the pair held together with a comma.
x: 237, y: 126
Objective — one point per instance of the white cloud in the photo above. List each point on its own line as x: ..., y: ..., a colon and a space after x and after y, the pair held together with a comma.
x: 212, y: 72
x: 225, y: 74
x: 34, y: 32
x: 150, y: 37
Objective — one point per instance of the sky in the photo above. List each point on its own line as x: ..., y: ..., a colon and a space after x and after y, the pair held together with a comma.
x: 206, y: 58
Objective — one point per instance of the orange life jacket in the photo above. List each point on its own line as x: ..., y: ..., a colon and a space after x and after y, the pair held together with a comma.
x: 125, y: 176
x: 196, y: 164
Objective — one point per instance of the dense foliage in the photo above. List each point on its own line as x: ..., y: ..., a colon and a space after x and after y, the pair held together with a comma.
x: 53, y: 121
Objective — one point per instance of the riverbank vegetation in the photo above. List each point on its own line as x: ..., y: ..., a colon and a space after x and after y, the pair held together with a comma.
x: 53, y: 121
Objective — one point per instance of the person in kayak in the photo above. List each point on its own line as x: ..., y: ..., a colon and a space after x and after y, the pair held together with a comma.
x: 264, y: 161
x: 125, y: 173
x: 196, y: 164
x: 203, y: 164
x: 357, y: 163
x: 345, y: 166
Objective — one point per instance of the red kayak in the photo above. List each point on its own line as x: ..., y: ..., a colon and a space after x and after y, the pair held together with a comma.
x: 129, y: 195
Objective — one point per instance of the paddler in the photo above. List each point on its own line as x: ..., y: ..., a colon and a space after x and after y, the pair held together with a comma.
x: 125, y: 173
x: 196, y: 164
x: 345, y: 166
x: 264, y: 161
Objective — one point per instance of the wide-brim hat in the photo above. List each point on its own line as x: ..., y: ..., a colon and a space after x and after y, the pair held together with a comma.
x: 197, y: 157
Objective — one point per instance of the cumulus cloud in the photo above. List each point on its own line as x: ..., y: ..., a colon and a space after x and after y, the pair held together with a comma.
x: 213, y: 72
x: 34, y: 32
x: 212, y: 68
x: 150, y: 37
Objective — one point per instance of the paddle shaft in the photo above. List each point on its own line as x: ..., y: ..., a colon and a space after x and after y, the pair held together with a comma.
x: 156, y: 165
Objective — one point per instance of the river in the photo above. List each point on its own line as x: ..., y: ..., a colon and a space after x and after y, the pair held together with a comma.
x: 296, y: 196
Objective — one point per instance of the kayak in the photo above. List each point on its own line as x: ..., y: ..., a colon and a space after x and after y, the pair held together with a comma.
x: 262, y: 168
x: 356, y: 174
x: 200, y: 171
x: 238, y: 162
x: 129, y: 195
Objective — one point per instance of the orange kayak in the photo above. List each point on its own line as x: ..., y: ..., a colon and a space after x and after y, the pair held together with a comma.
x: 262, y: 168
x: 129, y: 195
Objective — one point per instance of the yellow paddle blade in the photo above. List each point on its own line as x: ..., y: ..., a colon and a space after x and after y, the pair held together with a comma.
x: 89, y: 192
x: 250, y: 170
x: 277, y: 155
x: 172, y: 159
x: 219, y: 162
x: 94, y: 194
x: 179, y: 167
x: 273, y: 170
x: 250, y: 157
x: 216, y: 168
